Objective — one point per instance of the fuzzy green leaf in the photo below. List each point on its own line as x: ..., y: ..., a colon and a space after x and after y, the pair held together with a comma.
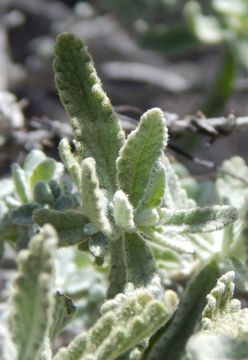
x: 168, y: 239
x: 43, y: 194
x: 64, y: 310
x: 70, y: 161
x: 23, y: 214
x: 233, y: 189
x: 32, y: 298
x: 69, y: 224
x: 142, y: 149
x: 239, y: 267
x: 95, y: 125
x: 216, y: 347
x: 8, y: 230
x: 55, y: 188
x: 24, y: 236
x: 93, y: 199
x: 117, y: 272
x: 126, y: 321
x: 140, y: 263
x: 147, y: 217
x: 155, y: 188
x: 21, y: 183
x: 175, y: 196
x: 64, y: 203
x: 123, y: 211
x: 33, y: 159
x: 98, y: 245
x: 196, y: 220
x: 204, y: 244
x: 45, y: 171
x: 240, y: 227
x: 222, y: 314
x: 74, y: 351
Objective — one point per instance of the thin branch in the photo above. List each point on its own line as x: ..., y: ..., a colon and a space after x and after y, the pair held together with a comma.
x: 213, y: 127
x: 209, y: 126
x: 205, y: 163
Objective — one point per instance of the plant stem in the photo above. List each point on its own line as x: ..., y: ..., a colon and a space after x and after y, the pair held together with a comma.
x: 140, y: 263
x: 117, y: 274
x: 171, y: 339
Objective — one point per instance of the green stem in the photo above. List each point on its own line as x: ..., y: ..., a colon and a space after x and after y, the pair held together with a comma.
x: 140, y: 263
x: 117, y: 274
x: 131, y: 261
x: 170, y: 340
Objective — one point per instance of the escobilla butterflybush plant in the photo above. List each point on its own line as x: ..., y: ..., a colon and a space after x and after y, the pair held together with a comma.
x: 106, y: 162
x: 124, y: 205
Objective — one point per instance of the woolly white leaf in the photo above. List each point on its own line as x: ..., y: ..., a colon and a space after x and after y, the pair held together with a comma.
x: 168, y: 239
x: 197, y: 219
x: 126, y: 321
x: 123, y: 211
x: 93, y: 198
x: 155, y: 188
x: 222, y: 314
x: 233, y: 189
x: 141, y: 150
x: 32, y: 298
x: 70, y: 161
x: 175, y: 196
x: 147, y: 217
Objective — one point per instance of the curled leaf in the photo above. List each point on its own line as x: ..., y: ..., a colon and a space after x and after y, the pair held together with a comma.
x: 141, y: 150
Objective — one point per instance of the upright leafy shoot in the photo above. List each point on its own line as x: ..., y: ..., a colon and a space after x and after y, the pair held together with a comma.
x: 32, y: 298
x: 95, y: 125
x: 129, y: 210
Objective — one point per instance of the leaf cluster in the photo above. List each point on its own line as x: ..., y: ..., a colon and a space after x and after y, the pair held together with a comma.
x: 124, y: 204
